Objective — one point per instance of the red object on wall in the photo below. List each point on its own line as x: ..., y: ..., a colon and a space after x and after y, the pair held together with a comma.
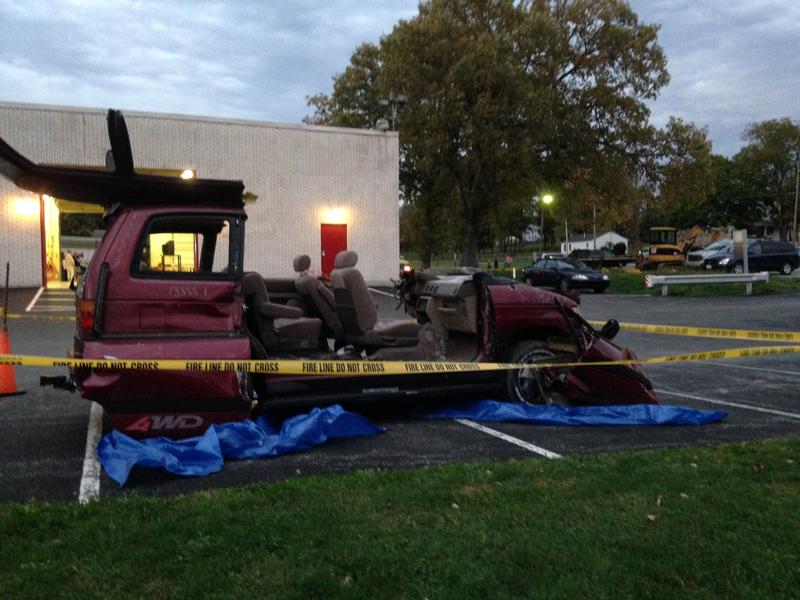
x: 334, y: 240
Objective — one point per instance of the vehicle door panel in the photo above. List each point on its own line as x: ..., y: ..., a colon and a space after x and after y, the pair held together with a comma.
x: 145, y: 302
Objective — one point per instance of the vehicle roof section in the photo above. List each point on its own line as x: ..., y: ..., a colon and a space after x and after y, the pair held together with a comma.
x: 121, y: 186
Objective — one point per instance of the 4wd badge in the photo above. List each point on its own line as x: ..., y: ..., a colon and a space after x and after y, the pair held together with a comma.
x: 165, y: 423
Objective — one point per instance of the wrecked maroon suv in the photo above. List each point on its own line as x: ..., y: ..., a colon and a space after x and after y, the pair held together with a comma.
x: 168, y: 282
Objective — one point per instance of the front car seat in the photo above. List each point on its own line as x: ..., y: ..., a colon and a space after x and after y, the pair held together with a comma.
x: 278, y: 326
x: 317, y: 299
x: 357, y: 311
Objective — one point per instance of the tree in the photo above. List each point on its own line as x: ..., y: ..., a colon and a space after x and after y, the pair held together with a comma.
x: 505, y: 99
x: 355, y: 101
x: 684, y: 173
x: 767, y: 167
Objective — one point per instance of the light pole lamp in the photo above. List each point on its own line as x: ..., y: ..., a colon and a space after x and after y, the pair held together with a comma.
x: 545, y: 200
x: 395, y: 102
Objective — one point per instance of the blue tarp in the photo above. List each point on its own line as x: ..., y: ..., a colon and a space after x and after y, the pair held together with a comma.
x: 205, y: 454
x: 552, y: 414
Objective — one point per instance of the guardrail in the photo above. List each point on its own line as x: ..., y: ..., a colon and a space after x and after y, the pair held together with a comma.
x: 666, y: 280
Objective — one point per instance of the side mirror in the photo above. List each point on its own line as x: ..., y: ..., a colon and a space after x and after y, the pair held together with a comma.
x: 610, y: 329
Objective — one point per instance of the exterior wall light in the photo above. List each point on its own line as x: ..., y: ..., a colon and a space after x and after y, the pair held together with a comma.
x: 187, y: 174
x: 26, y: 207
x: 334, y: 216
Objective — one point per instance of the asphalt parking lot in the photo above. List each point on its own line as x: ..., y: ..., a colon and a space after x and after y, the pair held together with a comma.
x: 43, y: 434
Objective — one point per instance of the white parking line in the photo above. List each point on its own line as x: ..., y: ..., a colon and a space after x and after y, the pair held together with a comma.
x: 734, y: 404
x: 90, y: 478
x: 35, y: 298
x: 510, y: 439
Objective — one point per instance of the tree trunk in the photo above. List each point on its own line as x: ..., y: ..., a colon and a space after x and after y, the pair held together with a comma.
x: 425, y: 257
x: 469, y: 249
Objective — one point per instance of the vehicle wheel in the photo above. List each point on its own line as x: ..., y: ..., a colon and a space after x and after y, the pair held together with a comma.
x: 738, y: 268
x: 531, y: 386
x: 563, y: 285
x: 599, y: 290
x: 786, y: 269
x: 529, y: 281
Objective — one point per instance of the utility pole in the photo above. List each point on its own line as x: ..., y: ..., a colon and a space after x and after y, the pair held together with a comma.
x: 541, y: 229
x: 796, y: 193
x: 594, y: 221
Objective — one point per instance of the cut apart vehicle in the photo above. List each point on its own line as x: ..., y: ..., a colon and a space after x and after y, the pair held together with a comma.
x: 167, y: 281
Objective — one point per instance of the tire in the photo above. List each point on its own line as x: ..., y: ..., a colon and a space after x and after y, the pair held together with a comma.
x: 528, y: 385
x: 563, y: 285
x: 529, y: 281
x: 786, y: 269
x: 738, y: 268
x: 600, y: 290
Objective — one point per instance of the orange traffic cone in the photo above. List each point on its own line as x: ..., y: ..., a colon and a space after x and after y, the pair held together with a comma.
x: 8, y: 383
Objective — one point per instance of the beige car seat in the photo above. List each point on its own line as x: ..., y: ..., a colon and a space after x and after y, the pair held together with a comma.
x: 318, y: 300
x: 357, y: 311
x: 277, y: 325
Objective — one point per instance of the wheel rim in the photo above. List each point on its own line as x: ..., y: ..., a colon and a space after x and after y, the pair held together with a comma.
x: 531, y: 385
x: 738, y: 269
x: 787, y: 269
x: 563, y: 286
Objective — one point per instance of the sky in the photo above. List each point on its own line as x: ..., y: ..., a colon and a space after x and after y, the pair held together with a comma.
x: 732, y: 62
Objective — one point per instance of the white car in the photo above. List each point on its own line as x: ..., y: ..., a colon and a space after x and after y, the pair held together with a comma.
x: 696, y: 258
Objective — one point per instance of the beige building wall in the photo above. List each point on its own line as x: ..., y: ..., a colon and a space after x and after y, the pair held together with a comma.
x: 298, y: 172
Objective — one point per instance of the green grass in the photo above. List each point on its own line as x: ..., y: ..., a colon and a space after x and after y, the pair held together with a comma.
x: 633, y: 283
x: 709, y: 523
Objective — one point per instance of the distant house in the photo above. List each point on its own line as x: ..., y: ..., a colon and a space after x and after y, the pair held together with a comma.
x: 586, y: 241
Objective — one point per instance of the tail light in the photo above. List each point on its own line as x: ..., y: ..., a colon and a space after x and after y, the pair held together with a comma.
x: 86, y: 316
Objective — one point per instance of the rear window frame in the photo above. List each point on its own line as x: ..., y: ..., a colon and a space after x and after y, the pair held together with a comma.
x: 235, y: 254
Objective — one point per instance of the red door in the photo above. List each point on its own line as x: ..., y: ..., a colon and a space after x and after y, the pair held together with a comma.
x: 334, y: 240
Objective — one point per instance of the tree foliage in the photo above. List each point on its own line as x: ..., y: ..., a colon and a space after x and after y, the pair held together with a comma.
x: 767, y: 165
x: 505, y: 100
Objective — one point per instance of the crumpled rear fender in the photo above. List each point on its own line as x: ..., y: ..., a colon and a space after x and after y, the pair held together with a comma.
x: 145, y: 389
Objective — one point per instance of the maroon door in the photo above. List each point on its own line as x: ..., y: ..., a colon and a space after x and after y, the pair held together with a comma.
x: 334, y: 240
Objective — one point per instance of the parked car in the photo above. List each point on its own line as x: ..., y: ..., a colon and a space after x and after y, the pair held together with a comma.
x: 143, y: 299
x: 565, y: 274
x: 696, y: 258
x: 762, y: 255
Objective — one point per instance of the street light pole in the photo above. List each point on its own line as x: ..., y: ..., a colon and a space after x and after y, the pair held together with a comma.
x: 541, y: 228
x: 796, y: 192
x: 394, y: 102
x: 543, y: 201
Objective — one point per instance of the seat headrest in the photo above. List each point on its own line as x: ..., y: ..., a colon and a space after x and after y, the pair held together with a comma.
x: 345, y: 260
x: 253, y: 283
x: 301, y: 263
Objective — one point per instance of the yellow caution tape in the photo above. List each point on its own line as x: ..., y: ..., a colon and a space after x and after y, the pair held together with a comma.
x: 709, y: 332
x: 41, y: 317
x: 366, y: 367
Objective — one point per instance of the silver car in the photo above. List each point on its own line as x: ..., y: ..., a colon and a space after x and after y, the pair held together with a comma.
x: 696, y: 258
